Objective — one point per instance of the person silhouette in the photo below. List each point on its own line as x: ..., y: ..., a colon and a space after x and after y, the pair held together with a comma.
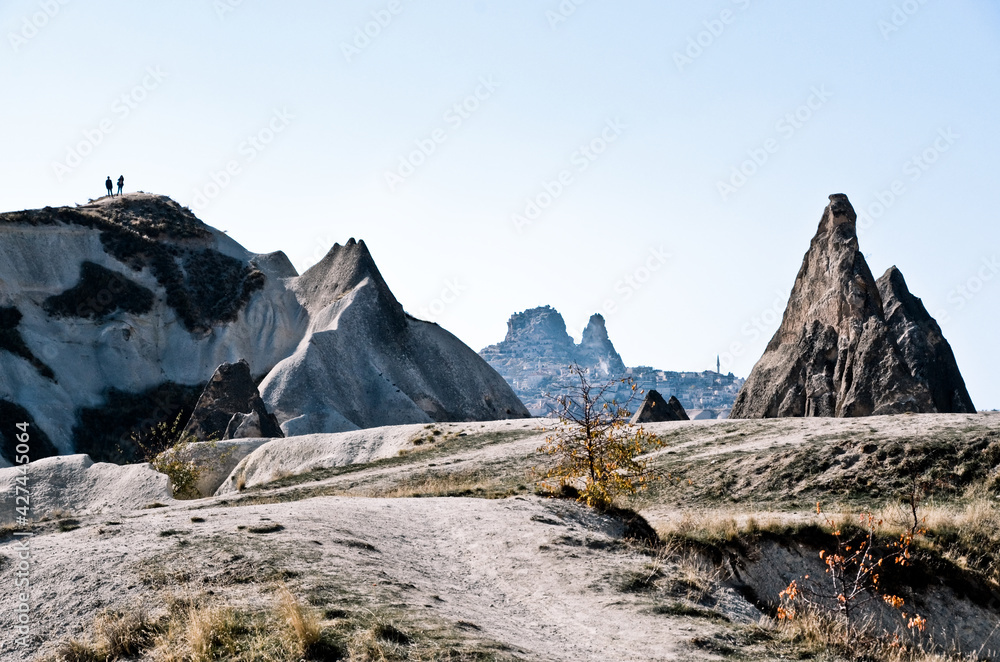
x: 109, y: 186
x: 121, y: 183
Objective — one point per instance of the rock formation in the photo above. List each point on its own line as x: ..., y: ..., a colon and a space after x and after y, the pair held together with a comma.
x: 76, y: 484
x: 115, y: 314
x: 366, y: 363
x: 595, y: 348
x: 654, y: 409
x: 835, y: 353
x: 535, y: 355
x: 230, y: 407
x: 925, y: 350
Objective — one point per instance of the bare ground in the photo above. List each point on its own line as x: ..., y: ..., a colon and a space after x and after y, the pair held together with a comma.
x: 510, y: 576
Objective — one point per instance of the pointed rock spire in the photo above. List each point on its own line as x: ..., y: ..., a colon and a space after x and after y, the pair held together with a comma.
x: 340, y: 271
x: 834, y: 353
x: 596, y: 348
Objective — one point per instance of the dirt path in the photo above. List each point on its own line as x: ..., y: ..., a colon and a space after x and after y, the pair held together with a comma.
x: 537, y: 575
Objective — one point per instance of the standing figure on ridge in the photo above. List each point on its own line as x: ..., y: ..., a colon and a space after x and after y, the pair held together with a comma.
x: 109, y: 185
x: 121, y: 183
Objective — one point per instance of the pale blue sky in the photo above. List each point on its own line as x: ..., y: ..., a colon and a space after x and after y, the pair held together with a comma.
x: 445, y: 239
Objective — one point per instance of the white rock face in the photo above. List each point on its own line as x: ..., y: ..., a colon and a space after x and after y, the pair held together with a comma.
x: 365, y: 363
x: 75, y: 485
x: 114, y: 314
x: 298, y: 455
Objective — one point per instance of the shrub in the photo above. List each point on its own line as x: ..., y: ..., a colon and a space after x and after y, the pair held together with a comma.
x: 100, y: 292
x: 167, y: 448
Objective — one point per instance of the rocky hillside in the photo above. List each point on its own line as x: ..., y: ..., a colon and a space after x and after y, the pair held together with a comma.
x: 114, y: 315
x: 535, y: 356
x: 849, y: 345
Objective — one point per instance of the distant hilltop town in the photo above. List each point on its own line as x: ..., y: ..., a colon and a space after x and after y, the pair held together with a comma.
x: 535, y: 356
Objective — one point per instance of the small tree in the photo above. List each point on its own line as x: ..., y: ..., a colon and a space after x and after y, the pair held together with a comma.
x: 596, y: 442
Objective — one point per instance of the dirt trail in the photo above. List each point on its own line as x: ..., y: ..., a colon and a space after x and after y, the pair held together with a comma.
x: 537, y: 575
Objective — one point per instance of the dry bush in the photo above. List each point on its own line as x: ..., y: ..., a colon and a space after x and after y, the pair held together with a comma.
x: 596, y: 444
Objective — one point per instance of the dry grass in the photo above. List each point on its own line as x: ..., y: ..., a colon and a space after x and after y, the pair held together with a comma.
x: 966, y: 534
x: 482, y: 483
x: 726, y: 525
x: 813, y: 635
x: 380, y: 641
x: 305, y: 624
x: 209, y: 629
x: 117, y: 636
x: 202, y: 633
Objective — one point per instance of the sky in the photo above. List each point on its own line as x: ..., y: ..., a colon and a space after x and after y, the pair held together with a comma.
x: 664, y: 164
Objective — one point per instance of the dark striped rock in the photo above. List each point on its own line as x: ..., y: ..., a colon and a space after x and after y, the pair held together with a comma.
x: 230, y: 407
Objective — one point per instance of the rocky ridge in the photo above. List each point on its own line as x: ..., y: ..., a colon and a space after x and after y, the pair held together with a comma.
x: 925, y: 350
x: 365, y: 363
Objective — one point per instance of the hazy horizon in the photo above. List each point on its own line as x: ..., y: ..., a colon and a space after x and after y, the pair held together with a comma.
x: 497, y: 156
